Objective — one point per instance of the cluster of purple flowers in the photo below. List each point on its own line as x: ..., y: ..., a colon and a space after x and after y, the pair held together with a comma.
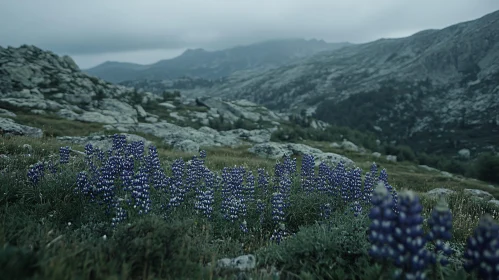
x: 36, y: 173
x: 398, y: 237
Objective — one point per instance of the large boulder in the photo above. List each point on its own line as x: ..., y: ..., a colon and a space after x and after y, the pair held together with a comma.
x: 8, y: 126
x: 255, y: 136
x: 103, y: 142
x: 479, y: 194
x: 172, y: 134
x: 187, y: 146
x: 278, y: 150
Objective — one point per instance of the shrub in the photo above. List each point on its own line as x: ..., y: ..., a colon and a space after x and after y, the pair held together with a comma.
x: 487, y: 168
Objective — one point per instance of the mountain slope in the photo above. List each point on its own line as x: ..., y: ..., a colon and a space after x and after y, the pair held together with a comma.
x: 216, y: 64
x: 411, y: 88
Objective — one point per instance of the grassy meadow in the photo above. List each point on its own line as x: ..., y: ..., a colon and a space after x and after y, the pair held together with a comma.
x: 50, y: 231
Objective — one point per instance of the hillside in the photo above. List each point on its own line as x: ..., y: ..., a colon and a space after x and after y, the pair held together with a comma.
x: 103, y: 181
x: 436, y: 85
x: 216, y: 64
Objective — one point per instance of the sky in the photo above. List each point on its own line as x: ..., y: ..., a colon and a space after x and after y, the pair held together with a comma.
x: 145, y: 31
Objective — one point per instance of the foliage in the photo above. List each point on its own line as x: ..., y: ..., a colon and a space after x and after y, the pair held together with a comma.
x: 181, y: 218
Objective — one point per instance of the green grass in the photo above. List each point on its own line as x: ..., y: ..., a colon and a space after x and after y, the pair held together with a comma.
x: 39, y: 243
x: 53, y: 125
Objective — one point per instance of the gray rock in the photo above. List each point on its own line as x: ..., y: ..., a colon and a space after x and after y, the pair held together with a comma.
x: 171, y: 134
x: 8, y: 126
x: 494, y: 202
x: 437, y: 192
x: 28, y: 148
x: 6, y: 113
x: 187, y: 146
x: 483, y: 195
x: 67, y: 114
x: 208, y: 130
x: 278, y: 150
x: 140, y: 111
x: 464, y: 153
x: 349, y: 146
x: 376, y: 154
x: 151, y: 119
x: 446, y: 174
x: 167, y: 105
x: 255, y: 136
x: 96, y: 117
x: 335, y: 145
x: 427, y: 168
x: 391, y: 158
x: 242, y: 263
x: 103, y: 142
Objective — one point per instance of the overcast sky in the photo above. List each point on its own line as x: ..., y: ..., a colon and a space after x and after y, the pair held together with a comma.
x: 144, y: 31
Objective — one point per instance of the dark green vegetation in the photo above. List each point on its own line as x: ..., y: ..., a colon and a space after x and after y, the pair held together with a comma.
x: 483, y: 167
x: 49, y: 232
x: 363, y: 111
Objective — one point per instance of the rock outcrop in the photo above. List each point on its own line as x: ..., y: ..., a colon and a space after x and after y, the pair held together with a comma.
x: 8, y: 126
x: 278, y: 150
x: 103, y: 142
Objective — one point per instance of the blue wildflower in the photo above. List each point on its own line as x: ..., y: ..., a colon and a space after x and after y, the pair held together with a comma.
x: 482, y: 250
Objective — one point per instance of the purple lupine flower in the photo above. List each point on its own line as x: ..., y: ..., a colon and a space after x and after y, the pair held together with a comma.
x: 120, y: 216
x: 440, y: 223
x: 368, y: 187
x: 244, y: 226
x: 289, y: 164
x: 138, y: 149
x: 119, y: 143
x: 355, y: 183
x: 411, y: 256
x: 233, y: 194
x: 106, y: 186
x: 205, y: 196
x: 83, y: 186
x: 279, y: 234
x: 89, y: 150
x: 202, y: 154
x: 153, y: 159
x: 140, y: 192
x: 340, y: 176
x: 177, y: 189
x: 250, y: 186
x: 263, y: 181
x: 52, y: 167
x: 346, y: 187
x: 260, y: 210
x: 322, y: 179
x: 482, y: 250
x: 326, y: 210
x: 278, y: 216
x: 278, y: 205
x: 374, y: 169
x: 127, y: 173
x: 36, y: 172
x: 383, y: 221
x: 307, y: 173
x: 64, y: 155
x: 383, y: 177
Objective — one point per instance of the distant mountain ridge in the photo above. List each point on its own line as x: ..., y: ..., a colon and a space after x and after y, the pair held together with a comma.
x: 436, y: 85
x: 216, y: 64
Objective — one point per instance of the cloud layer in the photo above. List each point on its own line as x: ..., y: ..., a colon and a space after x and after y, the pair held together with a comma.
x: 94, y: 28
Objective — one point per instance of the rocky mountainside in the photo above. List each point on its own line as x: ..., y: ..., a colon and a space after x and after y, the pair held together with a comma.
x: 436, y: 85
x: 216, y: 64
x: 36, y: 84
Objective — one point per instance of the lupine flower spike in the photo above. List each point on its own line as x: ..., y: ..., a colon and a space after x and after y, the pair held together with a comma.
x: 482, y: 250
x: 440, y: 223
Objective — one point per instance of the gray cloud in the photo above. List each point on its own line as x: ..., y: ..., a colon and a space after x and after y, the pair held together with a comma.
x: 96, y: 27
